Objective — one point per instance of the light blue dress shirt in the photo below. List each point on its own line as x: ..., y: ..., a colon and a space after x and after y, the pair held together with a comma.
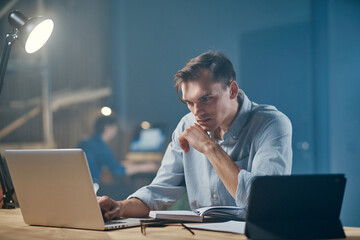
x: 258, y: 141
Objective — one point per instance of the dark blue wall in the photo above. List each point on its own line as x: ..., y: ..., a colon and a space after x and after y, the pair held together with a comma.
x: 344, y: 99
x: 301, y: 56
x: 154, y: 39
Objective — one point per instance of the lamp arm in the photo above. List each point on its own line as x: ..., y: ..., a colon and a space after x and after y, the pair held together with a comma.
x: 10, y: 39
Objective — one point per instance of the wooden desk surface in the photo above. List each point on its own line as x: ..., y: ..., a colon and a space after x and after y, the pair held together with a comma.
x: 12, y: 226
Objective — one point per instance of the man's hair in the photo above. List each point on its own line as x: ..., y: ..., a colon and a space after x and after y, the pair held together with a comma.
x: 218, y: 64
x: 103, y: 121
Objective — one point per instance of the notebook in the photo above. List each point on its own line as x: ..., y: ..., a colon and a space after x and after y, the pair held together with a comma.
x: 199, y: 214
x: 296, y: 207
x: 54, y: 188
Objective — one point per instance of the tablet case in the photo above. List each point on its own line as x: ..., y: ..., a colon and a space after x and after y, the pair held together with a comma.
x: 296, y: 207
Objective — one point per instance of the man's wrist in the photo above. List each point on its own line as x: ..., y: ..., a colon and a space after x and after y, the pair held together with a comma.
x: 211, y: 148
x: 133, y: 207
x: 121, y: 208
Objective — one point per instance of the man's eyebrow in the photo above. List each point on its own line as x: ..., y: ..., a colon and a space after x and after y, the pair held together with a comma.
x: 204, y: 96
x: 184, y: 100
x: 199, y: 98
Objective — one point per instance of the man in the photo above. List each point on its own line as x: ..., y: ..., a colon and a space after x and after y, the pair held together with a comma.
x: 217, y: 148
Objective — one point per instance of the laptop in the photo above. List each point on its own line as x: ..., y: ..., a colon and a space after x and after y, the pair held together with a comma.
x: 296, y: 207
x: 54, y: 188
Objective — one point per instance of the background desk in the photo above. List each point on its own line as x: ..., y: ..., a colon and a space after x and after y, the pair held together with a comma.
x: 12, y: 226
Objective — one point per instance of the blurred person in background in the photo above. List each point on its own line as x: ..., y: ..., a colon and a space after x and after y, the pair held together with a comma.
x: 100, y: 155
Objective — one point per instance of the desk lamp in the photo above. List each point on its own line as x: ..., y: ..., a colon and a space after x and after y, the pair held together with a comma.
x: 33, y: 33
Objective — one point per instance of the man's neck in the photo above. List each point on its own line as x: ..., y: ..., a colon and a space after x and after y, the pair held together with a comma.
x: 221, y: 130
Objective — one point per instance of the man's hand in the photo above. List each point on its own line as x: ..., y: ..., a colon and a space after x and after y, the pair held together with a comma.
x: 196, y: 137
x: 224, y: 166
x: 132, y: 207
x: 109, y: 208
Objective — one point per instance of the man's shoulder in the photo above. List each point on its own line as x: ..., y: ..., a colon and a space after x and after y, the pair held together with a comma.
x: 187, y: 120
x: 267, y: 113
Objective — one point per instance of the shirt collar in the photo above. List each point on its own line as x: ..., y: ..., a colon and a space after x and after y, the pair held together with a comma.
x: 241, y: 117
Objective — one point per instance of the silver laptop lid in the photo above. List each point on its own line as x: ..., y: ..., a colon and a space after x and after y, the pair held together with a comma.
x: 54, y: 188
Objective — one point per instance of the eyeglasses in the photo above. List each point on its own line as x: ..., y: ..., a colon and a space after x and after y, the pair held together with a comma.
x: 145, y: 224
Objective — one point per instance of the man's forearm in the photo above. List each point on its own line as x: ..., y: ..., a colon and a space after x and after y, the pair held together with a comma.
x: 133, y: 207
x: 224, y: 166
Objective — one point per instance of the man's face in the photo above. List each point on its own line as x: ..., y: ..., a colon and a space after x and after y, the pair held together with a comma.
x: 110, y: 131
x: 208, y: 101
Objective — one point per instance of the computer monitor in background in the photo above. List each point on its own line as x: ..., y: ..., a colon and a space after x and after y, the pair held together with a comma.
x: 148, y: 140
x: 147, y: 144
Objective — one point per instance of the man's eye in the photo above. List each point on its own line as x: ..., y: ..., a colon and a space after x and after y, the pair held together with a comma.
x: 205, y: 99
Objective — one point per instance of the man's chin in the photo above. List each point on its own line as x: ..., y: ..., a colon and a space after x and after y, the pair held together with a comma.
x: 206, y: 128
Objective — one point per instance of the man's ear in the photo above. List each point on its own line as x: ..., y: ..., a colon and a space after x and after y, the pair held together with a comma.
x: 234, y: 89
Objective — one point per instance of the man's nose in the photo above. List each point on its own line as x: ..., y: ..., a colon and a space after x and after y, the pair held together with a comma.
x: 198, y: 109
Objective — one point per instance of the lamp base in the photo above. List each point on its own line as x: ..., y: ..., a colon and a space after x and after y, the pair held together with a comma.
x: 7, y: 189
x: 8, y: 203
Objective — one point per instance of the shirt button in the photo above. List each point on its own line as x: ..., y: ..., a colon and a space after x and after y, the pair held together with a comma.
x: 215, y: 196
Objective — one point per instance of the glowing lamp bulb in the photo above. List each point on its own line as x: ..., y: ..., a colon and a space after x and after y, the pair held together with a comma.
x: 106, y: 111
x: 39, y: 36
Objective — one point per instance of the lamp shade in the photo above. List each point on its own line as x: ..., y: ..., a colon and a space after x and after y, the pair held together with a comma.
x: 33, y: 32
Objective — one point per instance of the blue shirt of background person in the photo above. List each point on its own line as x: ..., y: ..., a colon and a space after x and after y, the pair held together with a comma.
x: 97, y: 150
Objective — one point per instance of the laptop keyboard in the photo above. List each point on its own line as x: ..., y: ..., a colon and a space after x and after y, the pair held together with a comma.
x: 114, y: 221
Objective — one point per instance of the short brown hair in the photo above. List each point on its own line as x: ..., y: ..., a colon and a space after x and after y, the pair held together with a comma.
x: 217, y: 63
x: 104, y: 121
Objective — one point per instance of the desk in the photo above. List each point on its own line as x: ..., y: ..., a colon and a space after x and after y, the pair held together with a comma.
x: 13, y: 227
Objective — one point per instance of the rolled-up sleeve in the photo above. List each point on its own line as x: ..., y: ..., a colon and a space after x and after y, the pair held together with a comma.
x: 272, y: 156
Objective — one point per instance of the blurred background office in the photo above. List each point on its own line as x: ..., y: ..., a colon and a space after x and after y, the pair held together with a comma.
x: 302, y: 56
